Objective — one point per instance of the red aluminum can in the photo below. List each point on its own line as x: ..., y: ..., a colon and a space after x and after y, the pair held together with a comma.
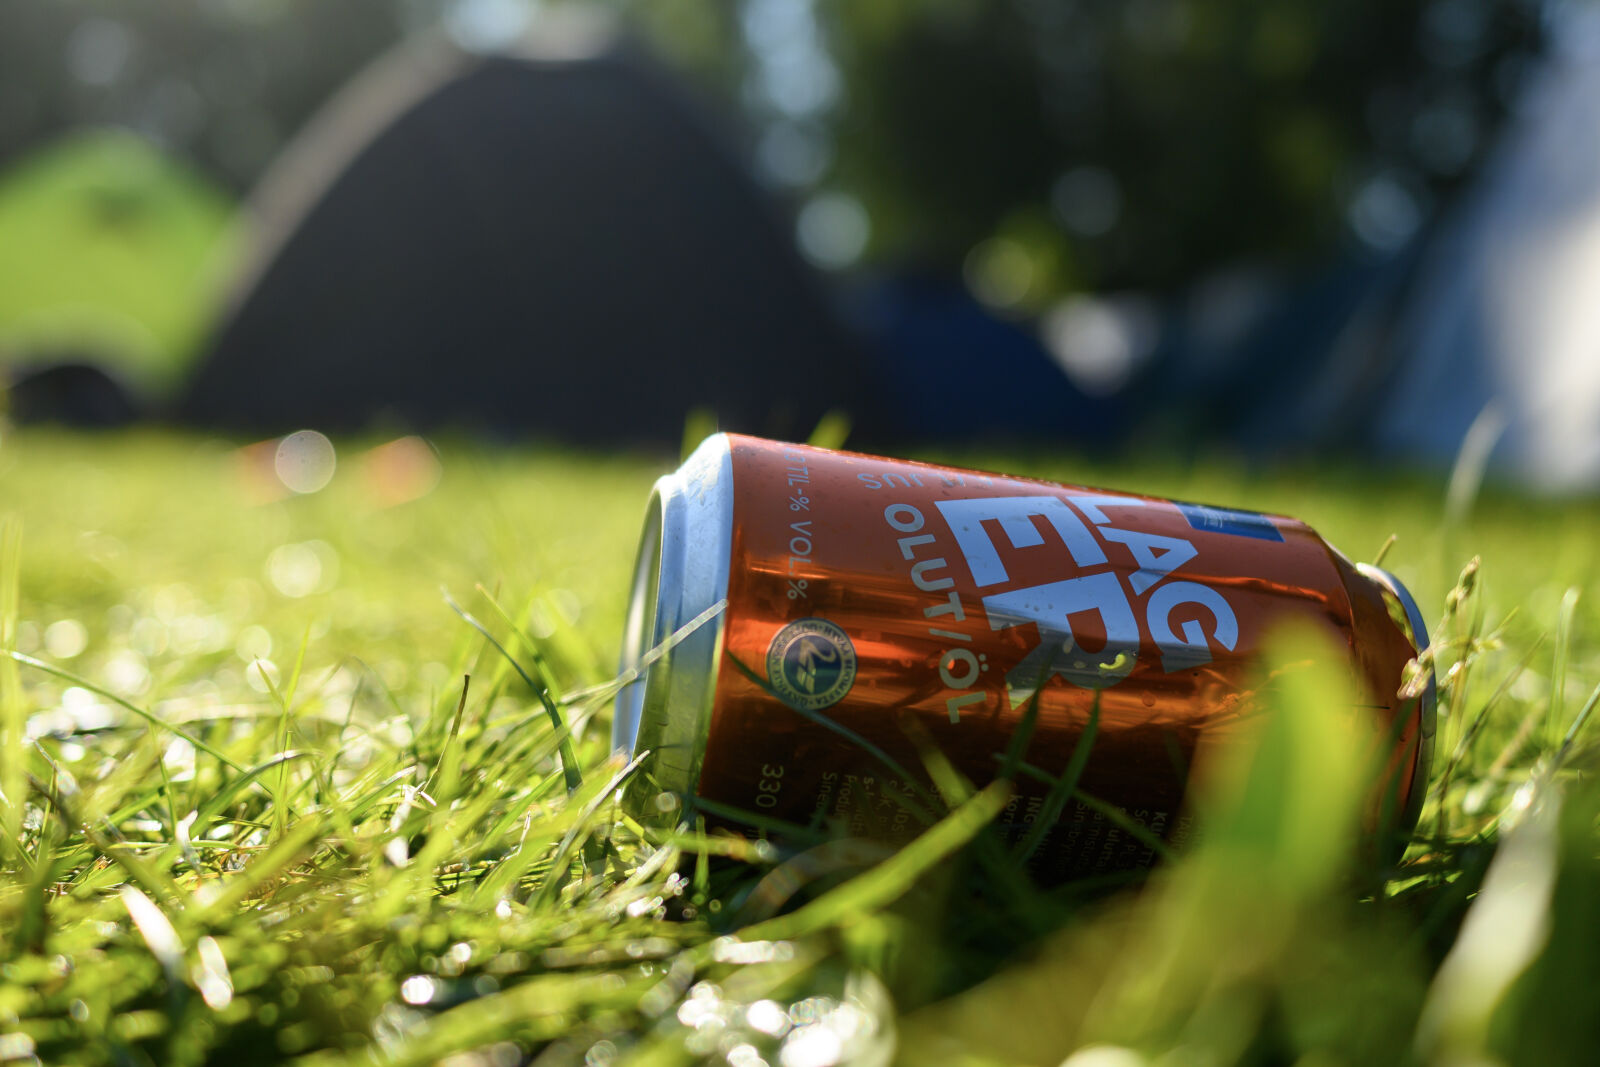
x: 779, y: 584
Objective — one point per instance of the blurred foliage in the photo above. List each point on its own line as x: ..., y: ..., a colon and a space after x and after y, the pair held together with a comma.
x: 1046, y: 147
x: 1142, y: 144
x: 222, y: 83
x: 1100, y: 144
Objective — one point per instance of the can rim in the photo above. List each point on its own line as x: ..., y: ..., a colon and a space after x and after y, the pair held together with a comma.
x: 639, y: 629
x: 1428, y: 700
x: 680, y: 577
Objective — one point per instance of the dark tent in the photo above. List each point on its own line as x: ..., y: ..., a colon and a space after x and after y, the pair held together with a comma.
x: 1477, y: 344
x: 943, y: 368
x: 530, y: 243
x: 1501, y: 343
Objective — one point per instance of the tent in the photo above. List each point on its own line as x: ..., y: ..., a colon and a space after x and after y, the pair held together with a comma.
x: 942, y: 368
x: 552, y: 241
x: 1482, y: 339
x: 1503, y: 328
x: 107, y: 250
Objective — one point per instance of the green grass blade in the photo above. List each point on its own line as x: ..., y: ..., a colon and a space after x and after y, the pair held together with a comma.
x: 1578, y: 722
x: 1064, y: 787
x: 219, y: 801
x: 13, y: 719
x: 1558, y: 666
x: 893, y: 765
x: 299, y: 842
x: 154, y: 720
x: 569, y: 760
x: 584, y: 825
x: 831, y: 431
x: 891, y: 879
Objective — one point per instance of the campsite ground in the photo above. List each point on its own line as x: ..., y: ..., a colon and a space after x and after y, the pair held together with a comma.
x: 262, y: 823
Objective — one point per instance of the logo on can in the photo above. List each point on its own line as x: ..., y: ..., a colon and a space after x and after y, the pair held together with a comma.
x: 811, y: 664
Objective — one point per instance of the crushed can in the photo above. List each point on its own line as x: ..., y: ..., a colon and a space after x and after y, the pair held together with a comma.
x: 802, y: 620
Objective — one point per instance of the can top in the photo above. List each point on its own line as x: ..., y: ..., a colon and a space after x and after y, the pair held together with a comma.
x: 673, y: 636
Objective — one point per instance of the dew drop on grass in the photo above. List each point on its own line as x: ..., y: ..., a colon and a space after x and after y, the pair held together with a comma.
x: 254, y: 676
x: 299, y: 570
x: 811, y: 1046
x: 294, y: 570
x: 705, y: 1038
x: 191, y: 634
x: 732, y: 950
x: 126, y: 674
x: 600, y: 1054
x: 767, y: 1016
x: 568, y: 604
x: 28, y: 637
x: 54, y: 723
x: 65, y: 639
x: 810, y: 1010
x: 253, y: 643
x: 418, y: 989
x: 16, y: 1046
x: 149, y: 637
x: 171, y: 602
x: 745, y: 1056
x: 1522, y: 799
x: 211, y: 975
x: 703, y: 1003
x: 179, y: 760
x: 85, y: 710
x: 454, y: 961
x: 242, y: 598
x: 643, y: 906
x: 118, y: 618
x: 540, y: 623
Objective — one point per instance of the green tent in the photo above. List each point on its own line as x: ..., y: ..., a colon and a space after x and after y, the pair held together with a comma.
x: 107, y: 254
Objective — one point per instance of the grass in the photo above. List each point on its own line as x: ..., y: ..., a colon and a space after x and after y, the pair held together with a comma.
x: 257, y: 813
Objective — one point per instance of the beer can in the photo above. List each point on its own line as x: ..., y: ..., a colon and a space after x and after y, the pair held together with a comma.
x: 802, y: 620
